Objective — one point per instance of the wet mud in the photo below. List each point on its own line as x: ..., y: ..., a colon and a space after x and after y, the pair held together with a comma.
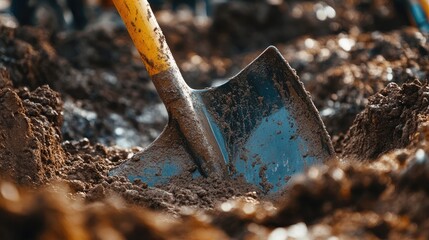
x: 73, y: 106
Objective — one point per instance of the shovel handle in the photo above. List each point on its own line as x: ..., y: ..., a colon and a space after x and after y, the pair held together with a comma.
x: 173, y: 90
x: 425, y: 6
x: 146, y: 35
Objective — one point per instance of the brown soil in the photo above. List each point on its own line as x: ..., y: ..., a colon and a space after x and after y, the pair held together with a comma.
x: 399, y: 110
x: 74, y: 105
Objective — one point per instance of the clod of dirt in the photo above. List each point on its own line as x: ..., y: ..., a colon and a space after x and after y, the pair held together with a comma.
x: 390, y: 121
x: 30, y: 149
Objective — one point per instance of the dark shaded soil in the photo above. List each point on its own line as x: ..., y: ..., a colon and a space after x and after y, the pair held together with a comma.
x: 236, y: 22
x: 75, y: 105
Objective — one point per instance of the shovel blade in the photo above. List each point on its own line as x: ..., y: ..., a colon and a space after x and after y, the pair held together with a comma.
x: 265, y: 123
x: 262, y: 121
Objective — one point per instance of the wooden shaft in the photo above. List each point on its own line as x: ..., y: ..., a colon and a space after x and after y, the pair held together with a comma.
x: 154, y: 51
x: 146, y: 35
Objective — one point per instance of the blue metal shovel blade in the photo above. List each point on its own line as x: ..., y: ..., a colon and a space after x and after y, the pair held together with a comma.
x: 263, y: 122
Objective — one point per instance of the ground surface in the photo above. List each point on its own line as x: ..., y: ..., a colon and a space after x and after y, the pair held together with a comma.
x: 76, y: 104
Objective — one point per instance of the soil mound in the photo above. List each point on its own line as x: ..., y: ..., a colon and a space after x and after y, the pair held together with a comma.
x: 389, y: 121
x: 30, y: 124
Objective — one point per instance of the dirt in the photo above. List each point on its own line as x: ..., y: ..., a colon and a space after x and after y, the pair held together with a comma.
x: 31, y: 149
x: 74, y: 105
x: 268, y: 24
x: 400, y: 110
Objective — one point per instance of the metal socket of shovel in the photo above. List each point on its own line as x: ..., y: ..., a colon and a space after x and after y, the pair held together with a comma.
x: 260, y: 125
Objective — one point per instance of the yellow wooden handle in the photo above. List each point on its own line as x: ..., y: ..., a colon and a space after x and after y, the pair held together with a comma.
x: 146, y: 35
x: 425, y: 6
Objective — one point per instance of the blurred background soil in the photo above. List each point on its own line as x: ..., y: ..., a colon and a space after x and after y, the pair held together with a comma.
x: 75, y: 104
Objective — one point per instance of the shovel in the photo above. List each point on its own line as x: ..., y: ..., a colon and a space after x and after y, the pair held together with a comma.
x: 261, y: 125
